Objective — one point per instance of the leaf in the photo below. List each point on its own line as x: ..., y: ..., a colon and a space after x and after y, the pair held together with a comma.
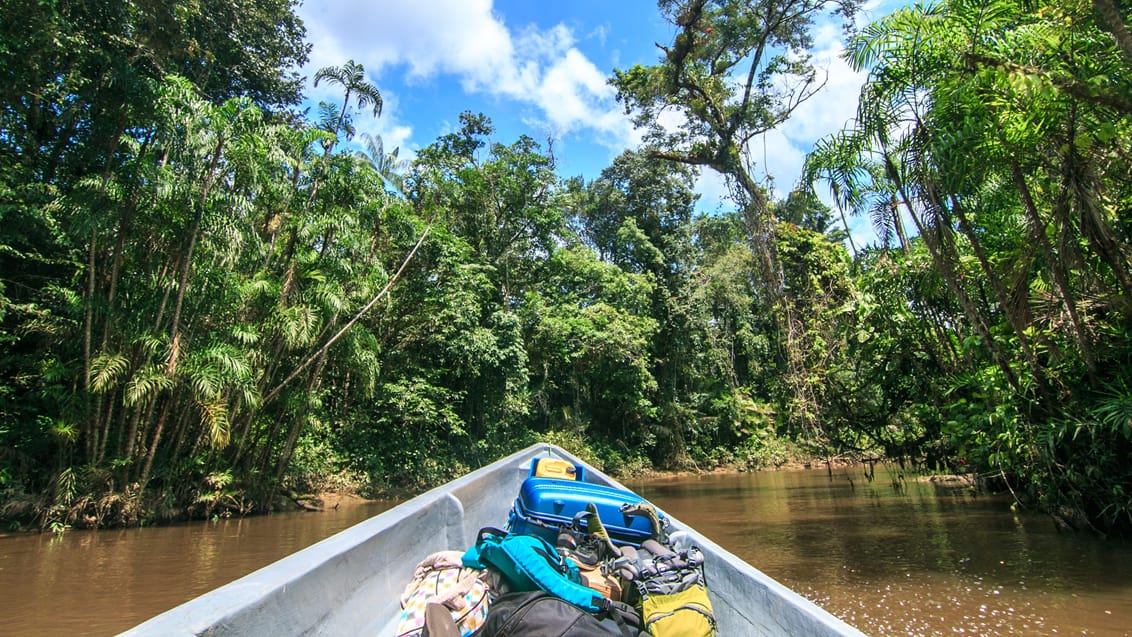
x: 145, y: 384
x: 105, y: 371
x: 214, y: 418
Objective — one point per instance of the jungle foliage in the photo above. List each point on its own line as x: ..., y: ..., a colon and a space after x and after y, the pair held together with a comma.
x: 207, y: 299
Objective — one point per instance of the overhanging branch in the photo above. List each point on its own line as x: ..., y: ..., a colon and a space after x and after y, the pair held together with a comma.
x: 362, y: 312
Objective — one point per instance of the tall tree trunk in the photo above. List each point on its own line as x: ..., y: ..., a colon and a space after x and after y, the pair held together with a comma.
x: 109, y: 418
x: 186, y: 266
x: 1017, y: 323
x: 1061, y: 280
x: 898, y: 224
x: 297, y: 429
x: 944, y: 267
x: 88, y: 319
x: 144, y: 479
x: 948, y: 262
x: 940, y: 334
x: 132, y: 432
x: 845, y: 224
x: 115, y: 269
x: 183, y: 427
x: 166, y: 275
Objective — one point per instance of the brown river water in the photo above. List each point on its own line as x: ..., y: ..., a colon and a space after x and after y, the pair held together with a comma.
x: 917, y: 558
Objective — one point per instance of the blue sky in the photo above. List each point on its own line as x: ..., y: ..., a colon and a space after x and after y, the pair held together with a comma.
x: 539, y: 68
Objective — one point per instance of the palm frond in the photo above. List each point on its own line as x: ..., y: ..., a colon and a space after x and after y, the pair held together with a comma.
x: 214, y: 419
x: 106, y: 370
x: 297, y: 325
x: 145, y: 384
x: 881, y: 215
x: 1114, y: 409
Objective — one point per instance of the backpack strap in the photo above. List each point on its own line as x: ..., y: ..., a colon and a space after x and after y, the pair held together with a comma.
x: 626, y: 617
x: 589, y: 521
x: 530, y: 563
x: 454, y: 599
x: 471, y: 557
x: 649, y: 512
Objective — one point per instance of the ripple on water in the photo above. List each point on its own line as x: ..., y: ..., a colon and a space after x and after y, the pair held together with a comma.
x: 922, y: 561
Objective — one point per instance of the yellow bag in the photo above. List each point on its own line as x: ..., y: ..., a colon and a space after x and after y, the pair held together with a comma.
x: 687, y: 614
x: 554, y: 468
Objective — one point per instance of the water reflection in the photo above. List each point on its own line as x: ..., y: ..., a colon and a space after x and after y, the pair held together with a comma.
x: 914, y: 559
x: 101, y: 583
x: 898, y: 556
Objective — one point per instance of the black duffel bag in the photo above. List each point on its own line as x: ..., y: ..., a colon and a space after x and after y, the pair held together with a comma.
x: 538, y: 614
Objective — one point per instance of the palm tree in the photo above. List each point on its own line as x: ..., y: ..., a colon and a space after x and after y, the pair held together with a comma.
x: 907, y: 53
x: 388, y: 167
x: 351, y: 76
x: 837, y: 160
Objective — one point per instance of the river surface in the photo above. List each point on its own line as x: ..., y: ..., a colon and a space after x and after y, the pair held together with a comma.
x: 917, y: 558
x: 104, y: 582
x: 906, y: 557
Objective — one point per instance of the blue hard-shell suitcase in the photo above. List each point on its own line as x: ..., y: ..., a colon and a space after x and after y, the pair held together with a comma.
x: 546, y: 505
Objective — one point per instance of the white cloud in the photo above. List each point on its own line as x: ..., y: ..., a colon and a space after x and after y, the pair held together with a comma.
x: 573, y: 91
x: 466, y: 39
x: 777, y: 155
x: 393, y: 132
x: 566, y: 95
x: 455, y: 36
x: 836, y: 103
x: 830, y: 110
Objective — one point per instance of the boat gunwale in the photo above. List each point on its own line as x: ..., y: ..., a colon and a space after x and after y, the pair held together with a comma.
x: 265, y: 602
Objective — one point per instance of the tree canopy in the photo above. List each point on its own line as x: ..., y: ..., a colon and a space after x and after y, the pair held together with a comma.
x: 206, y: 300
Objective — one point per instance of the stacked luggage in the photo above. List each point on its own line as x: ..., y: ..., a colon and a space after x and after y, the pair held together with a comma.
x: 576, y: 558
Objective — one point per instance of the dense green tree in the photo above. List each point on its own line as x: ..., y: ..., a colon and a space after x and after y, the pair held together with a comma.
x: 734, y: 71
x: 95, y: 182
x: 638, y: 213
x: 205, y: 301
x: 76, y: 75
x: 455, y: 337
x: 590, y: 340
x: 996, y: 131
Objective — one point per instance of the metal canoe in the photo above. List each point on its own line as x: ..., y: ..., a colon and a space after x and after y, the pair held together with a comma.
x: 349, y: 583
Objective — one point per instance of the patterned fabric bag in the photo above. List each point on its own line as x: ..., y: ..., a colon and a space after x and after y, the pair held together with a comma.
x: 441, y: 579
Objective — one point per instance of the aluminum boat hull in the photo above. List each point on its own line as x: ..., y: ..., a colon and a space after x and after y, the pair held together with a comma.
x: 349, y: 583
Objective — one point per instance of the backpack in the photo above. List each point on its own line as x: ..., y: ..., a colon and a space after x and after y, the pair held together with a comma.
x: 667, y: 586
x: 538, y: 614
x: 530, y: 563
x: 441, y: 580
